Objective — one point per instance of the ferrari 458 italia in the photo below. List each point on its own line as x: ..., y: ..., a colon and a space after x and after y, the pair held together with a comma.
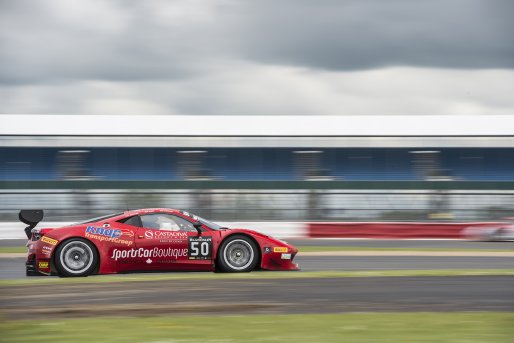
x: 149, y: 240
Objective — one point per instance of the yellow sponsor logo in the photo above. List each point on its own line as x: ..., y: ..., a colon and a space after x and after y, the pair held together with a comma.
x: 49, y: 240
x: 279, y: 249
x: 43, y: 264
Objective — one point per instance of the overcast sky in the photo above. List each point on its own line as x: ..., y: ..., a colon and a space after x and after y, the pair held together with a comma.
x: 260, y: 57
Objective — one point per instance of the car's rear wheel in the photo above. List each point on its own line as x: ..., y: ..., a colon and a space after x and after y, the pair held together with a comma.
x: 76, y: 257
x: 238, y: 254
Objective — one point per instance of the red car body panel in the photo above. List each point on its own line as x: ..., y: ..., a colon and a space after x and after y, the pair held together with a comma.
x: 126, y: 248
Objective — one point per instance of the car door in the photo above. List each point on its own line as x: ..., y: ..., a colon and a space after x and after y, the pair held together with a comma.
x: 169, y: 242
x: 122, y: 247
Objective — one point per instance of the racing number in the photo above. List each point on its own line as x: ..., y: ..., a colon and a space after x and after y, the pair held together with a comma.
x: 200, y: 248
x: 204, y: 249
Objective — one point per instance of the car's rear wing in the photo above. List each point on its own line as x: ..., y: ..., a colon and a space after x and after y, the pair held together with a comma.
x: 32, y: 218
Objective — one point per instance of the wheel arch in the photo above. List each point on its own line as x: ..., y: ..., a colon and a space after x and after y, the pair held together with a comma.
x: 258, y: 252
x: 53, y: 267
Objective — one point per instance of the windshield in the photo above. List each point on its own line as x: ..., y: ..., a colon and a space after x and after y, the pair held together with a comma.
x: 99, y: 218
x: 205, y: 222
x: 210, y: 224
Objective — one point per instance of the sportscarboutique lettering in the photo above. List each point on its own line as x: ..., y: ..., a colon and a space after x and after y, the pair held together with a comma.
x: 153, y: 253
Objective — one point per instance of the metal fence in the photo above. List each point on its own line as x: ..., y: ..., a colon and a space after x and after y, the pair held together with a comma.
x: 261, y: 205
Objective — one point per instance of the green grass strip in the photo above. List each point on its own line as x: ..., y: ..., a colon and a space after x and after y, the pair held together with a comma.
x: 13, y: 250
x: 427, y: 327
x: 260, y: 275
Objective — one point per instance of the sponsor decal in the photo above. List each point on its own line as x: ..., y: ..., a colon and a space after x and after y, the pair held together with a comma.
x: 46, y: 250
x: 267, y: 250
x: 148, y: 253
x: 285, y: 256
x: 166, y: 236
x: 107, y: 239
x: 279, y: 249
x: 49, y: 240
x: 128, y: 233
x: 42, y: 264
x: 200, y: 248
x: 103, y: 234
x: 167, y: 261
x: 103, y: 231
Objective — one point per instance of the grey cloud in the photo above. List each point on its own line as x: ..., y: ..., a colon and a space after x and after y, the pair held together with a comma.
x: 363, y: 34
x: 256, y: 56
x: 124, y: 42
x: 45, y: 41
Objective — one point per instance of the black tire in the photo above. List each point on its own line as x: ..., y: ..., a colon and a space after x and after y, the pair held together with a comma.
x: 238, y: 254
x: 76, y: 257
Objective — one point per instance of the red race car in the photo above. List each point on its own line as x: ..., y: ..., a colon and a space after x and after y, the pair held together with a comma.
x: 145, y: 240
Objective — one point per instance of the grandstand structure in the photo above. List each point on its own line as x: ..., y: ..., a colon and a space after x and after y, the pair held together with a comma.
x: 270, y: 167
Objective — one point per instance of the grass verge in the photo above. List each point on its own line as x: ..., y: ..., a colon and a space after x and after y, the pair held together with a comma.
x: 492, y: 327
x: 12, y: 250
x: 254, y: 276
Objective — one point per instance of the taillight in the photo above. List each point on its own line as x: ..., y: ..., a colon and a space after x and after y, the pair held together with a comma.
x: 42, y: 232
x: 37, y: 234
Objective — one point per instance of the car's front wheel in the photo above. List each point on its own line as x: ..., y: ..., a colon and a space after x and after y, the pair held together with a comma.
x: 238, y: 254
x: 76, y: 257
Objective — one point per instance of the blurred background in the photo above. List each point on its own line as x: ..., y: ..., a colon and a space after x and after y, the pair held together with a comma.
x: 246, y: 173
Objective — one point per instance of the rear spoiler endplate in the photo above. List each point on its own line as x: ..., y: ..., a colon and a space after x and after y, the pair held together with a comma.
x: 31, y: 218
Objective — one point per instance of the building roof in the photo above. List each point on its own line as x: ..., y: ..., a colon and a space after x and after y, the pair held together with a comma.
x: 262, y: 131
x: 109, y: 125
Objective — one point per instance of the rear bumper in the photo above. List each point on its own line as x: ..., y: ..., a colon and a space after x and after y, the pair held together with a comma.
x: 35, y: 266
x: 30, y: 267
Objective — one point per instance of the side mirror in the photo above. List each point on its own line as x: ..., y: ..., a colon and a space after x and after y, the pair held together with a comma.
x: 198, y: 227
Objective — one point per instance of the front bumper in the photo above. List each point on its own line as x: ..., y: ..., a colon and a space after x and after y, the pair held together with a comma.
x: 277, y: 261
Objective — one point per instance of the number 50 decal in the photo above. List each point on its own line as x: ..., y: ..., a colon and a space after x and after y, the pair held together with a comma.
x: 200, y: 248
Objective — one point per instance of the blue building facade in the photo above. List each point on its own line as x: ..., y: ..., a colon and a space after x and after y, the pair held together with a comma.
x: 470, y: 164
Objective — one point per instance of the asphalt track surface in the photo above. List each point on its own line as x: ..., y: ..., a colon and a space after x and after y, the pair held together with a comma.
x: 14, y: 268
x: 309, y: 295
x: 323, y: 295
x: 403, y: 243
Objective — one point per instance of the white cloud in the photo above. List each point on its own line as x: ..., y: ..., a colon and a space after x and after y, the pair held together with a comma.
x: 94, y: 16
x: 241, y: 88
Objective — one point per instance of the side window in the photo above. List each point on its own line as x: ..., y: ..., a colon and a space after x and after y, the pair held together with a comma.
x: 134, y: 221
x: 167, y: 222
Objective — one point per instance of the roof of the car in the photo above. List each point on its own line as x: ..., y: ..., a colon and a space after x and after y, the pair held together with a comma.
x: 150, y: 210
